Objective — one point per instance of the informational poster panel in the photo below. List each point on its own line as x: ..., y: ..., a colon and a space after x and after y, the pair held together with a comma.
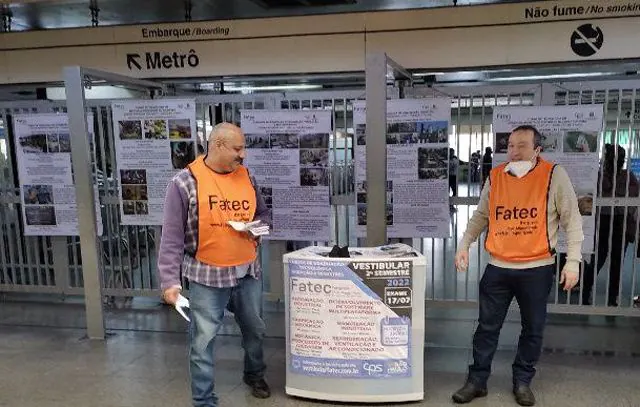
x: 350, y: 320
x: 288, y: 154
x: 154, y: 139
x: 570, y: 137
x: 43, y: 152
x: 417, y: 167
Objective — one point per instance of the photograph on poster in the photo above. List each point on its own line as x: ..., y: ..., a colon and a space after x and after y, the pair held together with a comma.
x: 402, y: 127
x: 34, y: 144
x: 142, y: 193
x: 130, y: 130
x: 40, y: 216
x: 362, y: 214
x: 133, y: 176
x: 266, y: 191
x: 65, y: 142
x: 182, y: 154
x: 314, y: 158
x: 318, y: 140
x: 361, y: 197
x: 134, y: 193
x: 155, y: 129
x: 257, y: 141
x: 142, y: 208
x: 362, y: 187
x: 550, y: 142
x: 403, y: 138
x: 585, y: 202
x: 433, y: 132
x: 432, y: 163
x: 129, y: 208
x: 279, y: 141
x: 361, y: 136
x: 53, y: 143
x: 502, y: 143
x: 179, y: 129
x: 37, y: 194
x: 433, y: 173
x: 580, y: 142
x: 389, y: 215
x: 314, y: 177
x: 267, y: 195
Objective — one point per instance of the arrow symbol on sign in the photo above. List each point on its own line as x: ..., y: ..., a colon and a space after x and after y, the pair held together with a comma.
x: 132, y: 59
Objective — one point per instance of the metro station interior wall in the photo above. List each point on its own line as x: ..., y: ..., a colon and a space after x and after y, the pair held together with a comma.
x: 502, y: 45
x: 327, y: 53
x: 444, y: 48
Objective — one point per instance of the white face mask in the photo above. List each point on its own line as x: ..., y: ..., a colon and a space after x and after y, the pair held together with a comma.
x: 521, y: 168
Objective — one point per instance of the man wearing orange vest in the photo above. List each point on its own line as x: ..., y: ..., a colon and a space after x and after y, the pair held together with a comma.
x: 219, y: 262
x: 522, y: 206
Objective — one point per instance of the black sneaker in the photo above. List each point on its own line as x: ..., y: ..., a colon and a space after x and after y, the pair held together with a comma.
x: 259, y: 388
x: 467, y: 393
x: 524, y: 396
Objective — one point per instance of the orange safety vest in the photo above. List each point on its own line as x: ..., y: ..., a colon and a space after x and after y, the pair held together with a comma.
x: 221, y: 198
x: 518, y: 229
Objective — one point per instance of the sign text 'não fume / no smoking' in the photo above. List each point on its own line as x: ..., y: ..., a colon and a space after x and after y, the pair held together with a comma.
x: 589, y: 10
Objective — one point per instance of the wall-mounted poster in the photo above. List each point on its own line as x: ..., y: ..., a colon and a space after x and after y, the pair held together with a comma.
x: 154, y: 139
x: 288, y: 154
x: 570, y: 138
x: 43, y: 152
x: 417, y: 139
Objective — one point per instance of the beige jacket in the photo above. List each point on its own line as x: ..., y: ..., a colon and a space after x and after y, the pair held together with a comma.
x: 562, y: 211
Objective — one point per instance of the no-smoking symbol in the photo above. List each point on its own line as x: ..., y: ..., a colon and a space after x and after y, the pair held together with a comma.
x: 586, y: 40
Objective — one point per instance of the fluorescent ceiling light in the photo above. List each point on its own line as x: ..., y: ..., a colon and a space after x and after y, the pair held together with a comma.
x: 422, y: 74
x: 233, y: 88
x: 552, y: 76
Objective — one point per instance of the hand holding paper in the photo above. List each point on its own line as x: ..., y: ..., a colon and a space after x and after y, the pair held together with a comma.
x: 256, y: 228
x: 180, y: 305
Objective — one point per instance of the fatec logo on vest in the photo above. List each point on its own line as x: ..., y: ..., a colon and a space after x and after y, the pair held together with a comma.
x: 227, y: 205
x: 503, y: 213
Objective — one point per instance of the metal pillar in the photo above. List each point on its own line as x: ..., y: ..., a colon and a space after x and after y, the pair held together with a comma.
x: 379, y: 68
x: 376, y: 148
x: 75, y: 78
x: 81, y: 164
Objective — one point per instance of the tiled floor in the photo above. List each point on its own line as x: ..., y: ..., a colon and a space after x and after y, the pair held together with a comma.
x: 589, y: 362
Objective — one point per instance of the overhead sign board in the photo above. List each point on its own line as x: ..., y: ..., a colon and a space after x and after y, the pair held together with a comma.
x: 488, y: 35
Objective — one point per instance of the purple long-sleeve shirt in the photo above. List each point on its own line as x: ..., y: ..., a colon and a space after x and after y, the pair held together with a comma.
x: 179, y: 240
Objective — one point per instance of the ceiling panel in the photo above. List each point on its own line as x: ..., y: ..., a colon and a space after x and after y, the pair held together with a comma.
x: 49, y: 14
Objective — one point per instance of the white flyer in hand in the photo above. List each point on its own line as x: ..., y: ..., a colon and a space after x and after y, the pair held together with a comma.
x: 256, y: 228
x: 180, y: 305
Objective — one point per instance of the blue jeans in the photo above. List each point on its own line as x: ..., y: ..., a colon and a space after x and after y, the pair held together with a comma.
x: 207, y: 310
x: 531, y: 288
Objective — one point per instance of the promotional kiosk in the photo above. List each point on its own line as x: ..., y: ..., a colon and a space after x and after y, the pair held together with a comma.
x: 355, y: 326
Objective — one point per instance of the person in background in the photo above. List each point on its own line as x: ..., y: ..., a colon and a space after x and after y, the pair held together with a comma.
x: 487, y: 163
x: 522, y: 206
x: 454, y: 165
x: 621, y: 233
x: 219, y: 262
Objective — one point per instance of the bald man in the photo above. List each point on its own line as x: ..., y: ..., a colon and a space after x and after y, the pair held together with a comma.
x: 219, y: 262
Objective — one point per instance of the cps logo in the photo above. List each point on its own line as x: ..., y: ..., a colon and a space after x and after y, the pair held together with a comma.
x: 372, y: 369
